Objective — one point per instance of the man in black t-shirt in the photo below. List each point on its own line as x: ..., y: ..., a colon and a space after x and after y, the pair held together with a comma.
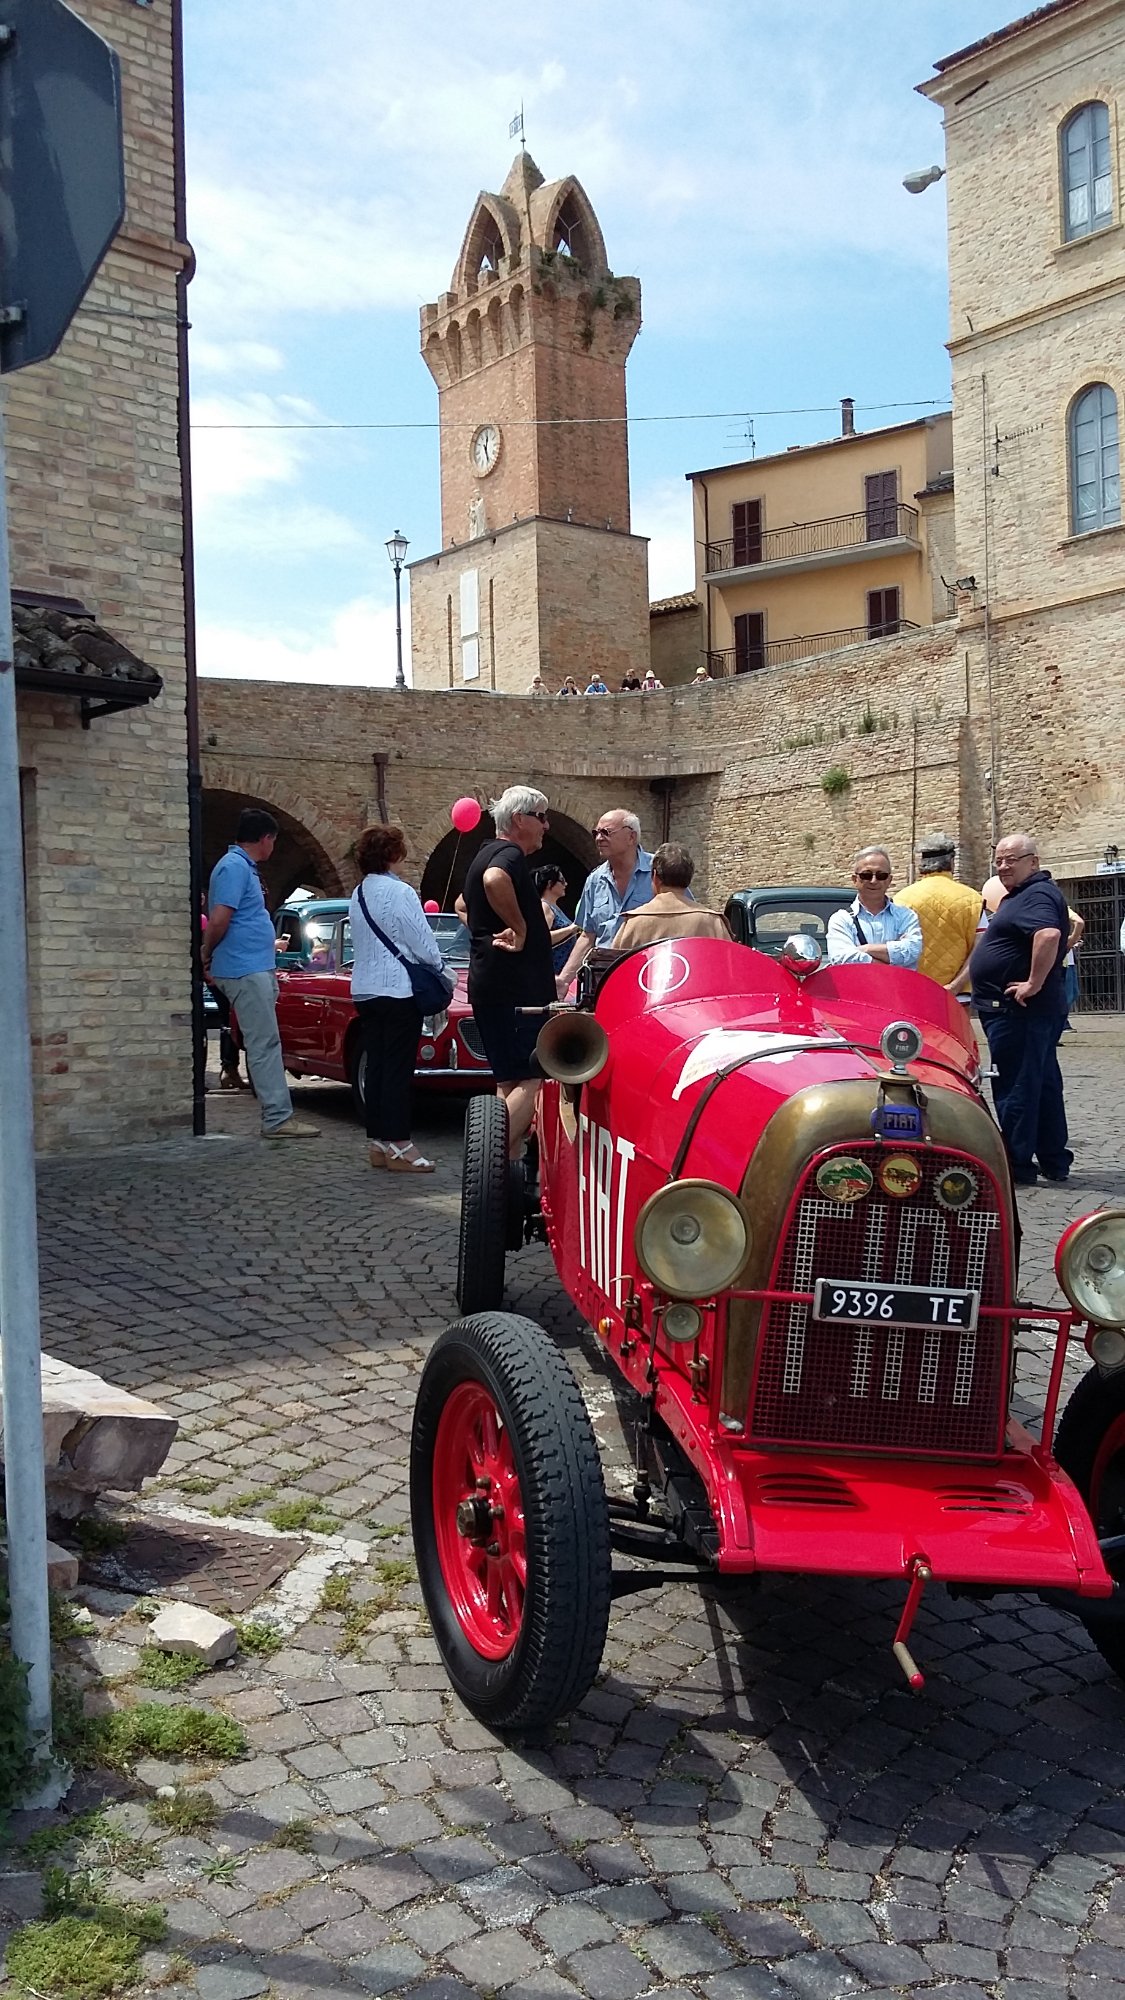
x: 510, y: 962
x: 1020, y: 994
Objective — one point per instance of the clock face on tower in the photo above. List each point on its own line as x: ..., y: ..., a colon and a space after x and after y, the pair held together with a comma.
x: 484, y: 449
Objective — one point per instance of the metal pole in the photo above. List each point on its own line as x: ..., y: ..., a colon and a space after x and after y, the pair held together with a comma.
x: 400, y: 677
x: 19, y: 1249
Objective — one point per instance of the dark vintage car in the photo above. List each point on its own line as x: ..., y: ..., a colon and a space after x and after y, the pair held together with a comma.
x: 788, y: 1220
x: 764, y: 918
x: 317, y: 1020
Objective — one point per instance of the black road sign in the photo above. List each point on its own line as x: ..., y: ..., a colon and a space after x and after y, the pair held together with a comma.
x: 62, y: 171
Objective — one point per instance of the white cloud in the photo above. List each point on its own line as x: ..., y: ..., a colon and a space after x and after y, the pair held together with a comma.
x: 663, y: 513
x: 281, y: 532
x: 234, y: 357
x: 357, y: 649
x: 227, y: 461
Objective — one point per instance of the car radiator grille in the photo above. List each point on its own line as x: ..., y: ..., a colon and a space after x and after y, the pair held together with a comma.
x: 470, y: 1035
x: 878, y: 1388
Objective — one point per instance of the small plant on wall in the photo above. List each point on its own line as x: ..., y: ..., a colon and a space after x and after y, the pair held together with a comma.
x: 836, y: 781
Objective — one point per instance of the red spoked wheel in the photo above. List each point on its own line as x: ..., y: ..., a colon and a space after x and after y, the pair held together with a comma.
x: 511, y: 1527
x: 1090, y: 1446
x: 479, y: 1521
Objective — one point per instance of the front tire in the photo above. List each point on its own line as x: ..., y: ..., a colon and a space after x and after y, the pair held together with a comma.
x: 1090, y: 1446
x: 485, y: 1207
x: 511, y: 1526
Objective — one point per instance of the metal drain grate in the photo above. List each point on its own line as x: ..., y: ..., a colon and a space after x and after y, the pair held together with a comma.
x: 214, y: 1567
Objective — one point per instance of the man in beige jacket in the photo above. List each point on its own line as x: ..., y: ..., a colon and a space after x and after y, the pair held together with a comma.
x: 671, y: 913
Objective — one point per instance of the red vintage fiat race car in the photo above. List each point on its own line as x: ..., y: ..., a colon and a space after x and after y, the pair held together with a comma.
x: 775, y: 1191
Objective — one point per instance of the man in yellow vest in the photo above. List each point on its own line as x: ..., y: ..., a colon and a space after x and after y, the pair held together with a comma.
x: 947, y: 910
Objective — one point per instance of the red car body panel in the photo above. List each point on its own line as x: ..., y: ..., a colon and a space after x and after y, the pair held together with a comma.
x: 866, y: 1481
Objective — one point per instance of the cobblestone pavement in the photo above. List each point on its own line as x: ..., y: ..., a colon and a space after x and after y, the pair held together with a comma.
x: 749, y: 1803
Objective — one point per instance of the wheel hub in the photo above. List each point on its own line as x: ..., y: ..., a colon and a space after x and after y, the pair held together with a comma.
x: 479, y: 1519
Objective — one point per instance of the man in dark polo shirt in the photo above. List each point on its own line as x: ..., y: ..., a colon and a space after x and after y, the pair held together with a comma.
x: 1020, y: 994
x: 510, y: 961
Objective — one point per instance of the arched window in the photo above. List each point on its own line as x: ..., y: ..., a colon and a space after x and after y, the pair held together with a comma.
x: 1095, y: 467
x: 1087, y: 178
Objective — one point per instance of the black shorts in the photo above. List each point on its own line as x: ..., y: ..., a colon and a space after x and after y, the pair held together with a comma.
x: 509, y: 1040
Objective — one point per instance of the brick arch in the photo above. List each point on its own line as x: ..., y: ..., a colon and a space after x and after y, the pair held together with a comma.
x: 310, y: 837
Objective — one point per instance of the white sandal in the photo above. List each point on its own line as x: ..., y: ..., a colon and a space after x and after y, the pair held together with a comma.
x: 399, y: 1161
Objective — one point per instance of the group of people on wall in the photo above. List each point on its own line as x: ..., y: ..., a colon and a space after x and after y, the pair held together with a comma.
x: 1005, y: 947
x: 631, y: 683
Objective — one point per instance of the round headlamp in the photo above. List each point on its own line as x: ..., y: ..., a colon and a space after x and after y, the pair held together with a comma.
x: 1090, y: 1266
x: 692, y: 1239
x: 683, y: 1321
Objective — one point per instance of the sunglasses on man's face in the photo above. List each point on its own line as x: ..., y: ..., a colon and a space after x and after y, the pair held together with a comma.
x: 873, y: 875
x: 541, y: 817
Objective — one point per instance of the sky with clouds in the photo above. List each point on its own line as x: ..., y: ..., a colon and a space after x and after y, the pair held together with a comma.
x: 745, y: 161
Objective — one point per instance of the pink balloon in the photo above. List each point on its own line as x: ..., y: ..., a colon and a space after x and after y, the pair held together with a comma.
x: 465, y: 814
x: 431, y: 908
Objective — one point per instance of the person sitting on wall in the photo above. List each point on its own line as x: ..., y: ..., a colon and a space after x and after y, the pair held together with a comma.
x: 671, y: 912
x: 631, y: 683
x: 872, y: 930
x: 569, y: 686
x: 701, y: 677
x: 539, y: 686
x: 597, y: 685
x: 650, y: 684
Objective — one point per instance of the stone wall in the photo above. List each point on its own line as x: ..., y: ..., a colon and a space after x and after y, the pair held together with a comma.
x: 94, y: 493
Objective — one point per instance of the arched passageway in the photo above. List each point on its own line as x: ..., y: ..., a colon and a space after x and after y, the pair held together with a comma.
x: 298, y: 860
x: 567, y: 844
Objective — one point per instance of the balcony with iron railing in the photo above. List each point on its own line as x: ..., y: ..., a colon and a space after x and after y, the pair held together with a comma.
x: 884, y: 529
x: 728, y: 661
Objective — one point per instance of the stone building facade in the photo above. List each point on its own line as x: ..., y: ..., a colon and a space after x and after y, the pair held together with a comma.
x: 97, y: 526
x: 538, y: 571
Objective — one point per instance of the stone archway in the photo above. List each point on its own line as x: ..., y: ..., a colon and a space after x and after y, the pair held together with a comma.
x: 299, y: 860
x: 567, y: 843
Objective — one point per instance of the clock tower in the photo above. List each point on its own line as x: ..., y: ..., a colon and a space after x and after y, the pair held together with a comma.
x: 538, y: 571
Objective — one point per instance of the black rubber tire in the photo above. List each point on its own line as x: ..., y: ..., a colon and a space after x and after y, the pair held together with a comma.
x: 357, y: 1069
x: 517, y: 1205
x: 566, y: 1608
x: 1096, y: 1403
x: 484, y: 1206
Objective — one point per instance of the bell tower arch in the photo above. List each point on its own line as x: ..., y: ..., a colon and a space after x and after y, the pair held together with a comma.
x: 539, y: 570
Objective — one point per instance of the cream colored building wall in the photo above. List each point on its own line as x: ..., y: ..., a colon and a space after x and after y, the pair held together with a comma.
x: 817, y: 483
x: 94, y: 494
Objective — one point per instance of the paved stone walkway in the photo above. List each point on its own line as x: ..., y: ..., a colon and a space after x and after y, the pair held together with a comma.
x: 749, y: 1803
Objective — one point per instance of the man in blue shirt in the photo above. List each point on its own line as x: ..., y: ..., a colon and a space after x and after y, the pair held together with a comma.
x: 1020, y: 994
x: 622, y: 881
x: 239, y: 955
x: 872, y: 930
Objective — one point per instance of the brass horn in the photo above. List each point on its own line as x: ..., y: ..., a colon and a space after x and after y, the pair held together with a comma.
x: 572, y: 1048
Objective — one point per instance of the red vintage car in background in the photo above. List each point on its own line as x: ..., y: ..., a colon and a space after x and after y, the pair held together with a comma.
x: 317, y: 1020
x: 793, y: 1231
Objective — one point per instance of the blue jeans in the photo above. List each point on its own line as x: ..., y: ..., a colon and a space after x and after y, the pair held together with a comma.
x: 1028, y: 1091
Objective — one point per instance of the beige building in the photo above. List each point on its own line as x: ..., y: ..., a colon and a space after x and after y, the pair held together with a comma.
x: 825, y: 545
x: 539, y: 571
x: 97, y: 538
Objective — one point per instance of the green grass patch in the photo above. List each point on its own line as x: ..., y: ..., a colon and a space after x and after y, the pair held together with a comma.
x: 64, y: 1622
x: 192, y: 1483
x: 95, y: 1534
x: 297, y: 1515
x: 191, y: 1811
x: 297, y: 1834
x: 396, y: 1571
x: 149, y: 1730
x: 393, y: 1573
x: 167, y: 1670
x: 243, y: 1503
x: 257, y: 1635
x: 87, y: 1947
x: 337, y: 1594
x: 50, y: 1840
x: 385, y: 1531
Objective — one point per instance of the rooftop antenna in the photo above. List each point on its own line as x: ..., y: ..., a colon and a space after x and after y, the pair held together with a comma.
x: 515, y: 129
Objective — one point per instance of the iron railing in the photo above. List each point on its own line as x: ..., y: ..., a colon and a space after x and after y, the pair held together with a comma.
x: 1100, y: 901
x: 883, y: 521
x: 777, y: 652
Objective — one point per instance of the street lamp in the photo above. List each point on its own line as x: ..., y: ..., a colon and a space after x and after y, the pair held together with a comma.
x: 922, y: 178
x: 396, y: 549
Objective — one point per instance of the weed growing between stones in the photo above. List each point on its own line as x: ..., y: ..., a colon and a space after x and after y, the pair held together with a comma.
x: 115, y: 1741
x: 168, y: 1670
x: 187, y: 1811
x: 296, y: 1833
x: 393, y: 1574
x: 257, y: 1635
x: 244, y: 1503
x: 95, y: 1534
x: 290, y: 1515
x: 87, y: 1946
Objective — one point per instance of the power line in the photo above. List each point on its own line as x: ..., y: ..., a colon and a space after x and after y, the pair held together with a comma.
x: 548, y: 423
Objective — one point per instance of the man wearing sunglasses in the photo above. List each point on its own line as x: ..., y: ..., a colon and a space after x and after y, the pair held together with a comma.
x: 510, y: 961
x: 622, y: 881
x: 872, y: 930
